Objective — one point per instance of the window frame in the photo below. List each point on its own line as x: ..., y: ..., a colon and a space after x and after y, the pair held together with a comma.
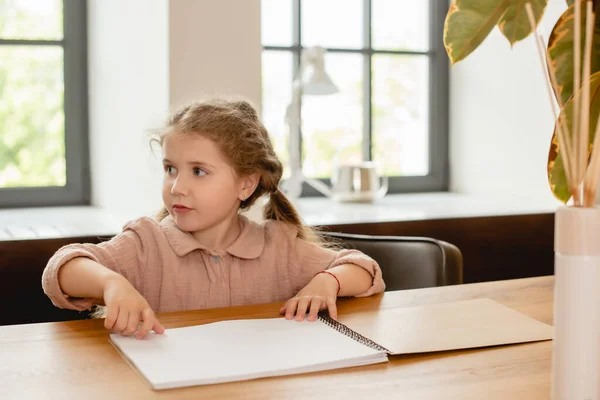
x: 77, y: 188
x: 438, y: 177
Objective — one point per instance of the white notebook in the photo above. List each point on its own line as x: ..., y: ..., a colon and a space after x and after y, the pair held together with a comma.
x: 229, y: 351
x: 247, y: 349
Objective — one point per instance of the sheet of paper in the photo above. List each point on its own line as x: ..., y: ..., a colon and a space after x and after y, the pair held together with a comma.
x: 242, y: 349
x: 447, y: 326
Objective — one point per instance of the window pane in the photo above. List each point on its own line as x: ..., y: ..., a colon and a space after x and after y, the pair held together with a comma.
x: 31, y: 19
x: 332, y: 125
x: 332, y: 23
x: 276, y: 95
x: 400, y: 25
x: 400, y: 114
x: 32, y: 142
x: 276, y: 22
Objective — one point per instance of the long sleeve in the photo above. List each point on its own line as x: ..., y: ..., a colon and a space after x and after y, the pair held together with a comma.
x: 125, y: 254
x: 307, y: 259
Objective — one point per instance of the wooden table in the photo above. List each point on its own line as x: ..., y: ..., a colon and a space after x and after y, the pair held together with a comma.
x: 74, y: 360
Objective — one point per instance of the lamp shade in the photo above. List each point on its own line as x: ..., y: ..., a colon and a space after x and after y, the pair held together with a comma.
x: 319, y: 82
x: 315, y: 80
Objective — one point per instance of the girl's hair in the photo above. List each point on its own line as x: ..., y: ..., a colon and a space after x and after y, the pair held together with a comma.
x: 235, y: 127
x: 237, y: 130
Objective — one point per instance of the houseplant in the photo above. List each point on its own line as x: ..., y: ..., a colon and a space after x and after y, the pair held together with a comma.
x: 470, y: 21
x: 571, y: 66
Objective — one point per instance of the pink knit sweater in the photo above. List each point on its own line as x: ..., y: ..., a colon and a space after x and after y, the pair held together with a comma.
x: 174, y: 272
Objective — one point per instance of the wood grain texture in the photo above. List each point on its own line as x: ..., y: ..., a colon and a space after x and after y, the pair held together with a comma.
x: 75, y: 360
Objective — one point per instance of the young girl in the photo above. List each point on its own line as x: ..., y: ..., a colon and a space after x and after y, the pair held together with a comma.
x: 200, y: 252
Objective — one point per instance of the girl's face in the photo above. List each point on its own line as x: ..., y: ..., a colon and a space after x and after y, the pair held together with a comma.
x: 200, y: 188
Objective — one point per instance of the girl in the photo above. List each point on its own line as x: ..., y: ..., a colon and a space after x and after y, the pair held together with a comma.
x: 200, y: 252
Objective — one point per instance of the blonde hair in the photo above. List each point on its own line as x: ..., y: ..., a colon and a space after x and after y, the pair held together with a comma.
x: 237, y: 130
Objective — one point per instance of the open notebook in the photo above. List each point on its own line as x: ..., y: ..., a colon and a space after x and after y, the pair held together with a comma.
x: 247, y: 349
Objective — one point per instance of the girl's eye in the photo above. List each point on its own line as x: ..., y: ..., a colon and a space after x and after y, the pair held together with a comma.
x: 170, y: 170
x: 199, y: 171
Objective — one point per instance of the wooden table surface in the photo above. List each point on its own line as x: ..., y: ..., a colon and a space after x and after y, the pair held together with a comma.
x: 74, y: 360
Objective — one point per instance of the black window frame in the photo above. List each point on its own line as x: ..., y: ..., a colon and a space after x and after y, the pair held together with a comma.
x: 438, y: 177
x: 77, y: 188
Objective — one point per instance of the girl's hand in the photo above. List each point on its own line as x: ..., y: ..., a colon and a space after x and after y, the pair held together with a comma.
x: 319, y: 294
x: 126, y: 309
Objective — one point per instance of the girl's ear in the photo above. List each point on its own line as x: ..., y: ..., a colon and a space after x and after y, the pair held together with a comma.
x: 248, y: 185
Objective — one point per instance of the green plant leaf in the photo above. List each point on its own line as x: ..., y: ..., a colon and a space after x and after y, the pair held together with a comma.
x: 468, y: 23
x: 556, y: 173
x: 514, y: 24
x: 560, y: 47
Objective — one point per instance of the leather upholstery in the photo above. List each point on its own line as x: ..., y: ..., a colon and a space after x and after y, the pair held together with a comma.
x: 408, y: 262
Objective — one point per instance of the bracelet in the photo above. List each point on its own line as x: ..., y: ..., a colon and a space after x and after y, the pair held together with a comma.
x: 336, y: 278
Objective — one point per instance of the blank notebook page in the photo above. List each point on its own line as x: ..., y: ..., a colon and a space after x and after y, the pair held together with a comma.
x: 242, y: 349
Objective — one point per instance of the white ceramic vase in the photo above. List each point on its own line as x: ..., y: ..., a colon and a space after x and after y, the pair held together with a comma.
x: 576, y: 344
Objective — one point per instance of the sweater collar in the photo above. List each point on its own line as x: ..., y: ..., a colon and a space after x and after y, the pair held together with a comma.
x: 248, y: 245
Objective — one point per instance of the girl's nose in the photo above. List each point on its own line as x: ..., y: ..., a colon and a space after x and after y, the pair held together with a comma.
x: 179, y: 187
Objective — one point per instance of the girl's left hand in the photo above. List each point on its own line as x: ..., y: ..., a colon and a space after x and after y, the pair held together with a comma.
x: 320, y: 293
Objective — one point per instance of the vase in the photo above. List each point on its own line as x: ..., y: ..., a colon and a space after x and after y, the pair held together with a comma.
x: 576, y: 341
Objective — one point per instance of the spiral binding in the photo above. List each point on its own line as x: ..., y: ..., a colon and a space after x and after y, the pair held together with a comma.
x: 338, y: 326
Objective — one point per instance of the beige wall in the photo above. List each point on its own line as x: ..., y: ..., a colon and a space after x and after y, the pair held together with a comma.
x: 214, y: 49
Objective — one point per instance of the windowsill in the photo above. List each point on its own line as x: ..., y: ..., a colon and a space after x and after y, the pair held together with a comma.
x: 57, y: 222
x: 417, y: 207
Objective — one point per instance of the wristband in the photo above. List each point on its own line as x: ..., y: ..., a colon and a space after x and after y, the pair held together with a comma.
x: 336, y: 278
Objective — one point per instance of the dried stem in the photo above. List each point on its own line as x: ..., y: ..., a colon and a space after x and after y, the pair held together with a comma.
x: 585, y: 98
x: 563, y: 139
x: 593, y: 171
x: 576, y: 86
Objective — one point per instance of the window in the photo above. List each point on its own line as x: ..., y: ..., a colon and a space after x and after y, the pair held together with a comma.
x: 388, y: 60
x: 43, y: 103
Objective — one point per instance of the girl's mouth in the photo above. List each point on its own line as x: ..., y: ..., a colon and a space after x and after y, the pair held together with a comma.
x: 178, y: 208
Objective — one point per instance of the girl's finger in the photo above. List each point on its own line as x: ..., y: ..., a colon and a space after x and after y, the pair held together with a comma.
x: 133, y: 323
x: 122, y: 319
x: 302, y: 306
x: 291, y: 308
x: 147, y: 323
x: 332, y: 307
x: 157, y: 327
x: 315, y: 306
x: 111, y: 317
x: 283, y: 308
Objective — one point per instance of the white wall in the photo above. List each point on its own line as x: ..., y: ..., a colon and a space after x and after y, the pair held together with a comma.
x: 128, y: 95
x: 500, y: 118
x: 145, y: 58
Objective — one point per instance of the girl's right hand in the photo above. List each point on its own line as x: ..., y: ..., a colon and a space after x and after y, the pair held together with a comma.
x: 126, y: 308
